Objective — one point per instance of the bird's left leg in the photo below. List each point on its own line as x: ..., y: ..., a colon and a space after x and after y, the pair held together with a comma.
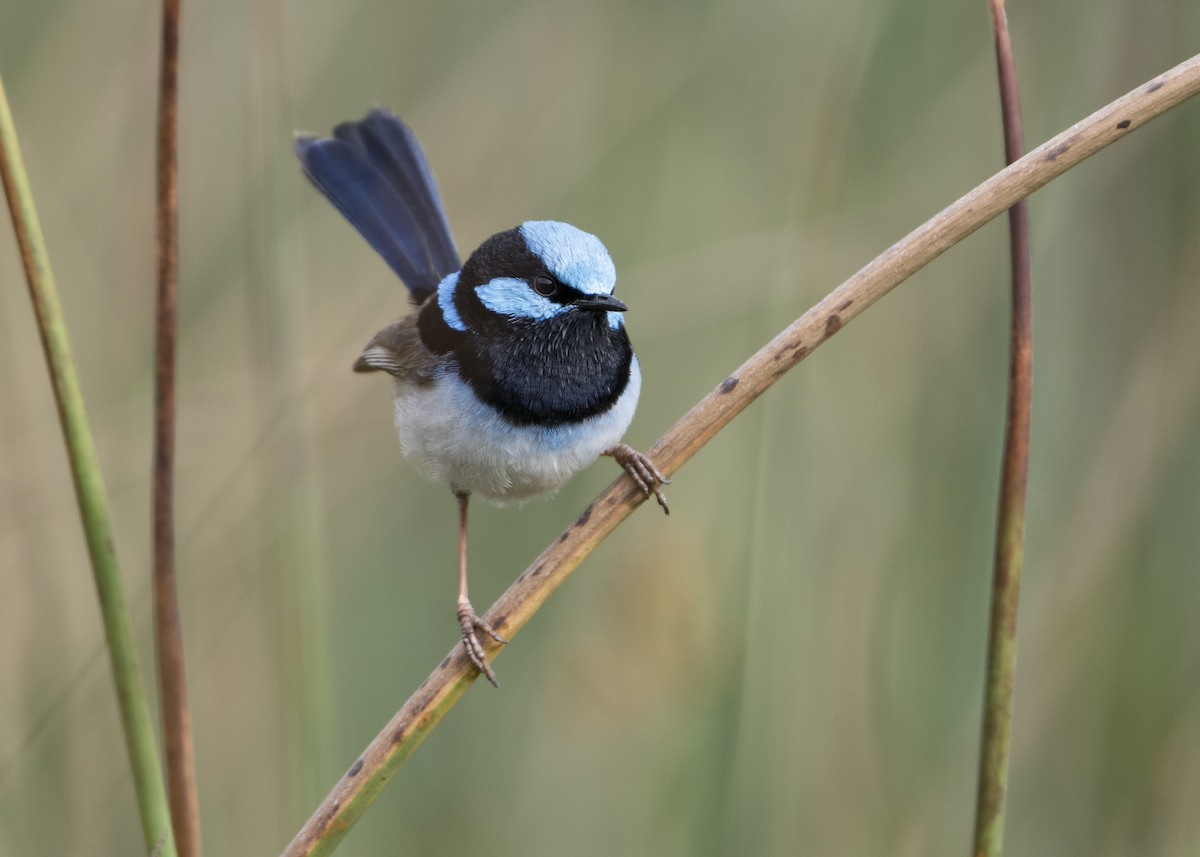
x: 642, y: 470
x: 467, y: 618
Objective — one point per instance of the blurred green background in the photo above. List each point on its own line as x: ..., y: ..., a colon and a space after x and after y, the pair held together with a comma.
x: 790, y: 663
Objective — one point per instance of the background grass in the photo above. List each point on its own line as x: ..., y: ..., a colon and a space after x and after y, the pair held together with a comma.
x: 792, y: 662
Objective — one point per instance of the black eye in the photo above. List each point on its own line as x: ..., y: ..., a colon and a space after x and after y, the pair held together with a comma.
x: 543, y: 285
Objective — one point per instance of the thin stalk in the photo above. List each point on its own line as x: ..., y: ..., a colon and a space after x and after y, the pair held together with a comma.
x: 138, y: 726
x: 168, y: 631
x: 357, y: 789
x: 1010, y: 524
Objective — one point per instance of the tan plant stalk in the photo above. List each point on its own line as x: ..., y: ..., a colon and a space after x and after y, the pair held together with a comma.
x: 356, y: 790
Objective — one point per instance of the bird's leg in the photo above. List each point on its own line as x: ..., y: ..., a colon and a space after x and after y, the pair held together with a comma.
x: 467, y: 618
x: 643, y: 472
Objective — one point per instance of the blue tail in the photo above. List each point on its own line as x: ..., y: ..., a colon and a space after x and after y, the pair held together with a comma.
x: 376, y: 174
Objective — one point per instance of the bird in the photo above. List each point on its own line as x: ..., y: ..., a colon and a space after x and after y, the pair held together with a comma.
x: 513, y: 371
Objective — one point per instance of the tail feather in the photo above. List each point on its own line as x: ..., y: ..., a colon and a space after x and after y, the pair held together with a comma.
x: 376, y: 175
x: 393, y: 149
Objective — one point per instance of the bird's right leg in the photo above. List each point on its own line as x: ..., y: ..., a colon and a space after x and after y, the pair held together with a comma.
x: 467, y: 618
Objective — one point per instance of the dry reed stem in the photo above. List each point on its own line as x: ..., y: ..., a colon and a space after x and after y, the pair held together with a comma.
x: 355, y: 791
x: 168, y: 633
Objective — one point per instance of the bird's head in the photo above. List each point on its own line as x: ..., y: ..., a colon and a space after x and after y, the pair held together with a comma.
x: 539, y: 271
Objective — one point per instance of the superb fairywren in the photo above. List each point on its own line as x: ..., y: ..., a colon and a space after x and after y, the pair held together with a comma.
x: 513, y: 373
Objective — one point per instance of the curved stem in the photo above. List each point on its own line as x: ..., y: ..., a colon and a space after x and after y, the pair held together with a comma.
x: 356, y: 790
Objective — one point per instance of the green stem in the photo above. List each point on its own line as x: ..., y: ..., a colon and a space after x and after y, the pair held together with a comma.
x: 1010, y: 526
x: 89, y: 491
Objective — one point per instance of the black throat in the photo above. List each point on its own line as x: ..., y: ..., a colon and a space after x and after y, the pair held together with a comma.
x: 547, y: 373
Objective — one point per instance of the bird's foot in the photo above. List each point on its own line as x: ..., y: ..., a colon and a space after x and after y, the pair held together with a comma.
x: 470, y: 623
x: 643, y: 471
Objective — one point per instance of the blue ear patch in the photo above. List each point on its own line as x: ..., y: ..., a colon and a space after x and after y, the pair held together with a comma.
x: 512, y: 297
x: 445, y: 299
x: 574, y: 256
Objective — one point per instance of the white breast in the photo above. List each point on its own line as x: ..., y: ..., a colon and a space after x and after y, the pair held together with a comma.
x: 454, y: 438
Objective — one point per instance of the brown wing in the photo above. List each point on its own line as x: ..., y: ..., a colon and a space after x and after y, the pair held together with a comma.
x: 398, y: 350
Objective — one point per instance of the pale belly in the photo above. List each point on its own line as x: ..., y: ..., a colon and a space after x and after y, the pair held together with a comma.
x: 453, y: 438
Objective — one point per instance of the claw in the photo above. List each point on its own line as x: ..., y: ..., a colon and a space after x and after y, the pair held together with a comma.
x: 470, y: 623
x: 644, y: 472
